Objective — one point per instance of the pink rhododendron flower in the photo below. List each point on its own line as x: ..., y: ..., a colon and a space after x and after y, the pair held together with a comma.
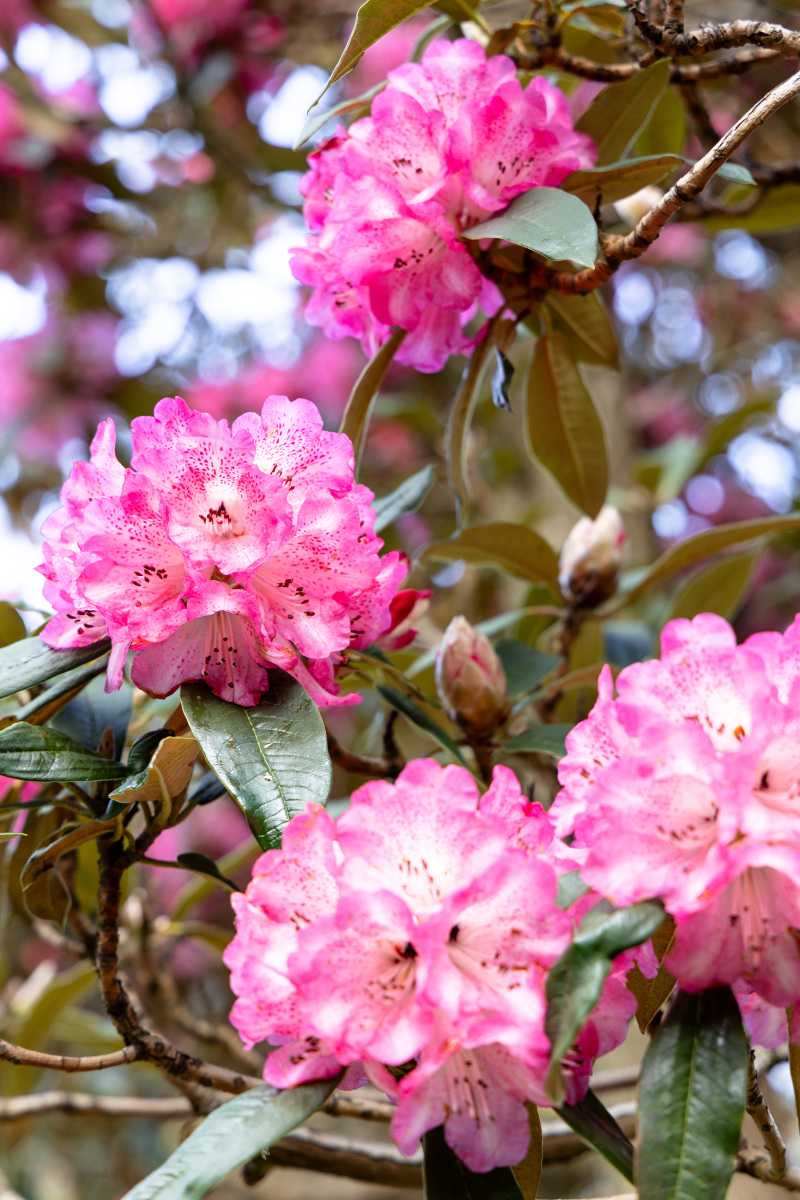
x: 685, y: 787
x: 449, y: 141
x: 221, y: 551
x: 416, y: 931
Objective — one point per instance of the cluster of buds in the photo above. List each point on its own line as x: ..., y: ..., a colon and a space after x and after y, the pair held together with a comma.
x: 591, y: 558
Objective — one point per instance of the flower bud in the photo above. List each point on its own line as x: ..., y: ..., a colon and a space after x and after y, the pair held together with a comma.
x: 591, y: 559
x: 470, y: 680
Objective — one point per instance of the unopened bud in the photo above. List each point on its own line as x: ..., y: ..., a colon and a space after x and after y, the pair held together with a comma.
x: 591, y: 558
x: 632, y: 208
x: 470, y: 680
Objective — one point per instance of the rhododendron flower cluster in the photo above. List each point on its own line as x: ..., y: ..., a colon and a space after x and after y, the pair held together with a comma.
x: 415, y: 932
x: 686, y: 786
x: 450, y: 141
x: 221, y: 551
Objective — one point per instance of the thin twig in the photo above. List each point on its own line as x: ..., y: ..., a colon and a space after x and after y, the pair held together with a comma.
x: 770, y: 1134
x: 348, y: 1104
x: 63, y: 1062
x: 14, y: 1108
x: 759, y: 1167
x: 698, y: 115
x: 359, y: 764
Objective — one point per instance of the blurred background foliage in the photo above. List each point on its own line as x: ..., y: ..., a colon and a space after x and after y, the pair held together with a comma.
x: 148, y: 197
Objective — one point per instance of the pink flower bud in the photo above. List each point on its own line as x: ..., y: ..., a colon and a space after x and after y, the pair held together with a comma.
x: 591, y: 558
x: 470, y: 680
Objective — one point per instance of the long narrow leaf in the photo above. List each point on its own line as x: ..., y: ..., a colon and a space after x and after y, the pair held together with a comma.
x: 28, y: 662
x: 356, y: 416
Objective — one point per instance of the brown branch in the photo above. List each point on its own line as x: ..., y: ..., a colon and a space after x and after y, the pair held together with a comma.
x: 688, y: 187
x: 758, y: 1109
x: 648, y: 30
x: 698, y: 115
x: 730, y: 34
x: 23, y: 1057
x: 673, y: 18
x: 14, y: 1108
x: 758, y: 1166
x: 358, y: 764
x: 348, y: 1104
x: 736, y: 63
x: 57, y: 940
x: 372, y: 1162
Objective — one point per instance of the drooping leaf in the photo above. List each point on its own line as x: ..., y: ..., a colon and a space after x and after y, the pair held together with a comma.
x: 576, y: 980
x: 543, y: 739
x: 651, y: 994
x: 417, y: 715
x: 585, y: 322
x: 445, y: 1177
x: 592, y: 1121
x: 26, y: 663
x: 524, y: 666
x: 405, y: 498
x: 203, y: 865
x: 356, y: 416
x: 165, y: 776
x: 12, y: 626
x: 548, y: 221
x: 31, y: 752
x: 142, y: 749
x: 232, y: 1134
x: 514, y: 548
x: 528, y: 1173
x: 43, y: 889
x: 718, y: 588
x: 710, y: 541
x: 315, y: 123
x: 691, y: 1099
x: 272, y: 758
x: 93, y: 710
x: 374, y: 20
x: 459, y: 422
x: 616, y: 180
x: 562, y: 427
x: 618, y: 114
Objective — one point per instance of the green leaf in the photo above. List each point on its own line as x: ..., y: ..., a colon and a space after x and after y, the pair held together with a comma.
x: 373, y: 21
x: 652, y: 993
x: 26, y: 663
x: 356, y: 416
x: 778, y: 211
x: 315, y: 123
x: 232, y: 1134
x: 570, y: 888
x: 95, y: 709
x: 43, y: 889
x: 616, y: 117
x: 691, y: 1099
x: 445, y: 1177
x: 51, y: 700
x: 528, y: 1173
x: 548, y: 221
x: 30, y: 752
x: 667, y: 129
x: 615, y: 181
x: 592, y: 1121
x: 576, y: 980
x: 272, y: 758
x: 719, y: 588
x: 562, y: 428
x: 417, y: 715
x: 513, y: 548
x: 405, y: 498
x: 710, y: 541
x: 524, y: 666
x: 585, y: 322
x: 459, y: 421
x: 142, y: 749
x: 12, y: 626
x: 203, y: 865
x: 543, y: 739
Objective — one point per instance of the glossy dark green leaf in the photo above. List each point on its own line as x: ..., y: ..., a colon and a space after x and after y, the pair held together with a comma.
x: 592, y: 1121
x: 718, y: 588
x: 524, y: 665
x: 315, y: 123
x: 405, y: 498
x: 620, y: 112
x: 417, y: 715
x: 710, y: 541
x: 203, y: 865
x: 445, y: 1177
x: 585, y: 322
x: 93, y: 710
x: 562, y: 427
x: 142, y: 749
x: 691, y: 1099
x: 232, y: 1134
x: 513, y: 548
x: 272, y: 758
x: 51, y: 700
x: 365, y: 390
x: 26, y: 663
x: 548, y: 221
x: 31, y: 752
x: 543, y: 739
x: 575, y: 982
x: 374, y: 20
